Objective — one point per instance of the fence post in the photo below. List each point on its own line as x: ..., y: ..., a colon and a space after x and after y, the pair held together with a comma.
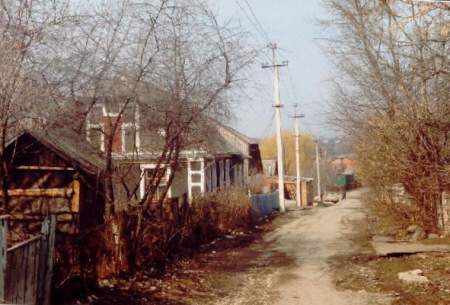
x: 46, y: 260
x: 3, y: 254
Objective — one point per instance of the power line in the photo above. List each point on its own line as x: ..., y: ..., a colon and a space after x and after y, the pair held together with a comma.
x: 254, y: 23
x: 269, y: 126
x: 291, y: 81
x: 264, y: 33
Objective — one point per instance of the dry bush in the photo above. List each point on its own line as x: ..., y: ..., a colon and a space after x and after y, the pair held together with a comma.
x: 181, y: 228
x: 225, y: 210
x: 392, y: 94
x: 390, y: 217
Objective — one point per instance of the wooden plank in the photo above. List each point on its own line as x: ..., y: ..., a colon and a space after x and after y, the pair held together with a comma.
x: 15, y: 276
x: 3, y: 255
x: 36, y: 270
x: 10, y: 282
x: 23, y: 275
x: 21, y: 272
x: 42, y: 262
x: 23, y: 243
x: 30, y: 283
x: 76, y: 196
x: 52, y: 192
x: 45, y: 168
x: 46, y: 260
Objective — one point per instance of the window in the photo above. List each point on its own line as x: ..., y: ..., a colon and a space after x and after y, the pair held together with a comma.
x: 129, y: 139
x: 113, y: 107
x: 96, y: 114
x: 148, y: 172
x: 96, y: 137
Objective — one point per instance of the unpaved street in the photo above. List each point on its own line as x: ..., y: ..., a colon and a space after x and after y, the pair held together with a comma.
x: 304, y: 241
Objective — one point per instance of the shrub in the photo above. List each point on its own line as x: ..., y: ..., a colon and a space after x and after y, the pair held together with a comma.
x: 180, y: 227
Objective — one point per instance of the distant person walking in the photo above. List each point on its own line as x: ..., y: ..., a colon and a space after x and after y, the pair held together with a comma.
x: 344, y: 192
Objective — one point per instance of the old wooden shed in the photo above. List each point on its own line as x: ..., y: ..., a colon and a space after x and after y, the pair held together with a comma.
x: 55, y: 173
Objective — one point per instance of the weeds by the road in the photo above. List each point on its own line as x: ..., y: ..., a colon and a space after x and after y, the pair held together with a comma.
x: 366, y: 271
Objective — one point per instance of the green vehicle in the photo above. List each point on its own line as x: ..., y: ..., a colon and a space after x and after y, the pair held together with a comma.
x: 345, y: 181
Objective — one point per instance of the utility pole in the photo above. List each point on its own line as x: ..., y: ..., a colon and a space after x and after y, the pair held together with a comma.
x: 319, y: 191
x: 325, y: 178
x: 297, y: 118
x: 277, y: 105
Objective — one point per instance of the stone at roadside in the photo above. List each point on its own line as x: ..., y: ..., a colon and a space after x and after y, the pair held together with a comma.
x: 432, y: 236
x: 382, y: 238
x: 400, y: 248
x: 413, y: 277
x: 419, y: 234
x: 412, y: 228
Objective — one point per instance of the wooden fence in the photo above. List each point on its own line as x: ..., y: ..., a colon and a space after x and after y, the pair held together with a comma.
x: 26, y: 268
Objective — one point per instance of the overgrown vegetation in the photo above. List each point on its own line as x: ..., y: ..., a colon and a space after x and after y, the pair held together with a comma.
x: 392, y: 95
x: 387, y: 217
x: 182, y: 228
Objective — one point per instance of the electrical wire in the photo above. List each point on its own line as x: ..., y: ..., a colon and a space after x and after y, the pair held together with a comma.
x: 262, y: 31
x: 268, y: 128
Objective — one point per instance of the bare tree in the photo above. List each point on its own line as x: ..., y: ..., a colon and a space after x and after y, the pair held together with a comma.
x: 165, y: 68
x: 25, y: 29
x: 393, y: 94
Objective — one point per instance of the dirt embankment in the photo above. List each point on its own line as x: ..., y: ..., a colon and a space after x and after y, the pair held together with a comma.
x: 369, y: 272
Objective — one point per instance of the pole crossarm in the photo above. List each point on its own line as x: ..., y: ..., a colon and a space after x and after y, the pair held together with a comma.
x: 283, y: 64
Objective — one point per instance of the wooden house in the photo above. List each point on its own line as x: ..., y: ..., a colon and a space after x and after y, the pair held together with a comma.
x: 222, y: 157
x: 55, y: 172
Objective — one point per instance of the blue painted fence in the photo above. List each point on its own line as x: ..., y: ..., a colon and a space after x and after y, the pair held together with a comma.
x: 264, y: 205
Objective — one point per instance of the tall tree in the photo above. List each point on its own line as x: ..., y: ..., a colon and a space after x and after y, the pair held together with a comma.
x: 392, y: 95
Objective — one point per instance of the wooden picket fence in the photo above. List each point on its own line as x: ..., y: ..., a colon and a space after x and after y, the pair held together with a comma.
x: 26, y: 268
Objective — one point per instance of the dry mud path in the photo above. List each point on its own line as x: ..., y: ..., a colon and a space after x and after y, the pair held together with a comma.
x: 303, y: 242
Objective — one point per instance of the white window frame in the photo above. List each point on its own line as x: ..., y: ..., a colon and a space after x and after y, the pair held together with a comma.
x: 100, y: 126
x: 137, y: 142
x: 144, y: 167
x: 123, y: 127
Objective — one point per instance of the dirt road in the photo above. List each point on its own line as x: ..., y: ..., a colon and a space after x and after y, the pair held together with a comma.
x: 303, y: 243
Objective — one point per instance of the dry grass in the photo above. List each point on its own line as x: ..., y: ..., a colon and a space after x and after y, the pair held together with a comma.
x: 365, y: 271
x: 380, y: 275
x: 225, y: 210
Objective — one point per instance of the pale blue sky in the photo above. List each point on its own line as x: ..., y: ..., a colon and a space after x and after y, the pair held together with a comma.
x: 293, y: 24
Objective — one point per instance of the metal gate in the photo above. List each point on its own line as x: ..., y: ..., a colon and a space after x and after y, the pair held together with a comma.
x: 26, y: 268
